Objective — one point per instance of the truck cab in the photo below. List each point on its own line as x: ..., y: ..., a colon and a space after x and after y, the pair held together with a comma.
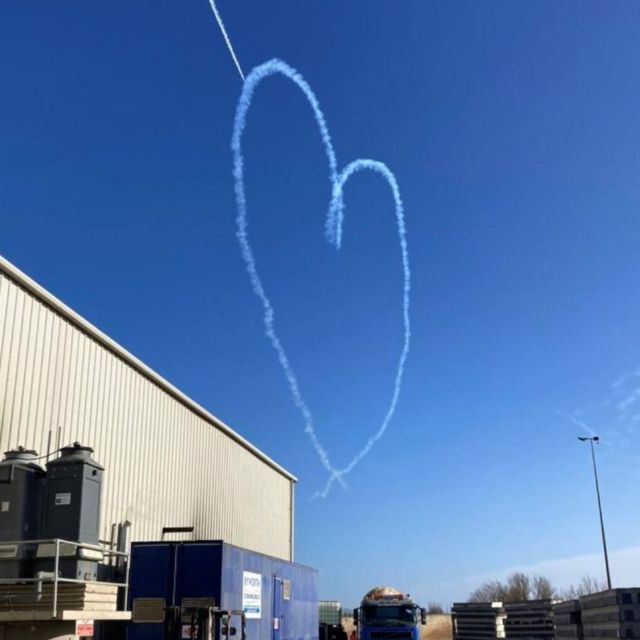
x: 388, y: 614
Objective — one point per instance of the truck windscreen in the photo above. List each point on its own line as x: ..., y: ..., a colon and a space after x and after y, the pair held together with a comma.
x: 389, y: 615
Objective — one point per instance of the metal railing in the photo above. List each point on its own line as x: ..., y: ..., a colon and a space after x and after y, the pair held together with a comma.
x: 55, y: 578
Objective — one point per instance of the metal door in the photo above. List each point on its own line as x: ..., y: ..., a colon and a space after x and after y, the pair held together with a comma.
x: 277, y: 608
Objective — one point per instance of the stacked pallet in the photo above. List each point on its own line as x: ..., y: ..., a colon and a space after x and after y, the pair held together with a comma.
x: 567, y: 620
x: 71, y: 596
x: 531, y: 620
x: 478, y: 620
x: 611, y: 614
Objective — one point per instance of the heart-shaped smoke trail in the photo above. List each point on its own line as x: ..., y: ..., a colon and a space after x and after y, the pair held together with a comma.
x: 333, y: 230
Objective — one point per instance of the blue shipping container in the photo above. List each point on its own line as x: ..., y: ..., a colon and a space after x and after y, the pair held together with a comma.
x: 279, y: 598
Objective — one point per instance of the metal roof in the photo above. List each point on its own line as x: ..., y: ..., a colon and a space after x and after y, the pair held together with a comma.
x: 54, y: 303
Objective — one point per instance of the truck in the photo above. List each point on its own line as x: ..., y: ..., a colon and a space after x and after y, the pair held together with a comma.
x: 388, y: 614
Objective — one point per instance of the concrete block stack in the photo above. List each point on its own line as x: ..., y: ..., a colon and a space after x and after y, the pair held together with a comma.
x: 567, y: 620
x: 531, y: 620
x: 611, y: 614
x: 478, y: 620
x: 76, y: 597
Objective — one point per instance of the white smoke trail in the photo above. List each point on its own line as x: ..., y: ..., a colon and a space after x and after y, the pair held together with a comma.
x: 216, y: 13
x: 577, y: 422
x: 333, y: 231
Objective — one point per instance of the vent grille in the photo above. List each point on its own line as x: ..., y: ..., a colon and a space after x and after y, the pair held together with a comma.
x: 149, y: 610
x: 198, y: 603
x: 8, y: 550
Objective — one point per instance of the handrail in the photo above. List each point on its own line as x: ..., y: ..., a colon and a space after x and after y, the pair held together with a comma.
x: 74, y: 543
x: 56, y: 578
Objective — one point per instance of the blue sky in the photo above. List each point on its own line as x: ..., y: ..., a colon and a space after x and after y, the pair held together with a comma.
x: 513, y: 131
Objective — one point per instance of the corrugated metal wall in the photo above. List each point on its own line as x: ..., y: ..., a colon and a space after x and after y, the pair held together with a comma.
x: 166, y: 464
x: 177, y: 570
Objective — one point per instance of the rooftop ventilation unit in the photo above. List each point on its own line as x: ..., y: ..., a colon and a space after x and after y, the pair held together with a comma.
x: 21, y: 490
x: 72, y: 513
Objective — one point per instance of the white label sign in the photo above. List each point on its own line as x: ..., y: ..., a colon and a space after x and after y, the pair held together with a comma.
x: 63, y: 498
x: 252, y: 594
x: 5, y: 505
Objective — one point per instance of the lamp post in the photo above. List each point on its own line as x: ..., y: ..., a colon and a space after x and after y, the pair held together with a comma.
x: 591, y: 440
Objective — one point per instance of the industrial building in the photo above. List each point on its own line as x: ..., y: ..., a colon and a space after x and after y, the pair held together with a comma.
x: 168, y: 461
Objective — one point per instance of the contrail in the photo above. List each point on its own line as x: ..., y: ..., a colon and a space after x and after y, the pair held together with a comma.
x: 578, y: 423
x: 333, y: 232
x: 226, y: 37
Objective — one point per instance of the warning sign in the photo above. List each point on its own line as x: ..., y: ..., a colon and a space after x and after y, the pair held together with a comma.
x: 189, y: 632
x: 84, y: 628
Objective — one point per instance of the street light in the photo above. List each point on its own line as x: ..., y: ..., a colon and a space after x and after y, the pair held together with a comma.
x: 591, y: 440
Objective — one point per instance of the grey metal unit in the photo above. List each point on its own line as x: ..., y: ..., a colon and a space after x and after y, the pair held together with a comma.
x: 72, y: 499
x: 330, y: 619
x: 330, y: 612
x: 72, y: 512
x: 21, y: 489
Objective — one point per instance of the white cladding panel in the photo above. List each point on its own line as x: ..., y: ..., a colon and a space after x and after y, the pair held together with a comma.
x: 165, y: 463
